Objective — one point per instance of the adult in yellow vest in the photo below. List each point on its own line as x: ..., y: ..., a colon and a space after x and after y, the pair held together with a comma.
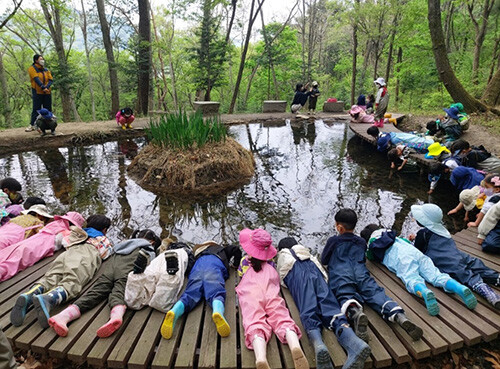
x: 41, y: 81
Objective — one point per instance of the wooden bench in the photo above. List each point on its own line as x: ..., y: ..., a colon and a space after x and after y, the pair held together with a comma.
x: 333, y: 107
x: 195, y: 343
x: 207, y: 107
x: 274, y: 106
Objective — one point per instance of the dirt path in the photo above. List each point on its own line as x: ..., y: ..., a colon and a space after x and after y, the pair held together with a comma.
x: 17, y: 140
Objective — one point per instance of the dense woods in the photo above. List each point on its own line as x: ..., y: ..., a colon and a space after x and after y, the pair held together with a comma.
x: 108, y: 54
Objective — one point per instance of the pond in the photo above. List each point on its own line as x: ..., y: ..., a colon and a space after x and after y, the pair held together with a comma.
x: 304, y: 174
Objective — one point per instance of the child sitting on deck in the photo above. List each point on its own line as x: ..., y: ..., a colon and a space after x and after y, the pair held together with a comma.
x: 206, y: 279
x: 9, y: 188
x: 70, y: 271
x: 488, y: 232
x: 351, y: 282
x: 124, y: 118
x: 358, y: 115
x: 128, y: 255
x: 262, y: 308
x: 25, y: 253
x: 306, y: 279
x: 370, y: 100
x: 412, y: 267
x: 435, y: 241
x: 24, y: 226
x: 160, y: 283
x: 300, y: 97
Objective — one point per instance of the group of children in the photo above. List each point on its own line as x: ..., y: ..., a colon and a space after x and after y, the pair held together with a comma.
x: 363, y: 111
x: 303, y: 94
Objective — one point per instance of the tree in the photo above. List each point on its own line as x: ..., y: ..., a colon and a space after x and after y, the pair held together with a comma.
x: 83, y: 26
x: 112, y: 66
x: 445, y: 71
x: 144, y: 56
x: 52, y: 12
x: 17, y: 5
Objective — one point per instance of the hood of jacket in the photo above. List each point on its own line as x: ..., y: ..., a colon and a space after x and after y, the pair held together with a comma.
x: 380, y: 241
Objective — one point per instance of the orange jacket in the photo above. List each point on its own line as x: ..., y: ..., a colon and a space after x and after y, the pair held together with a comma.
x: 40, y: 78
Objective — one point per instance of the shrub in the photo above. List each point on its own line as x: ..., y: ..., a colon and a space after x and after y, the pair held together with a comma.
x: 183, y: 131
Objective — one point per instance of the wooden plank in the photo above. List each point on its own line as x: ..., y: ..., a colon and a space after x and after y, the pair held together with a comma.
x: 387, y: 337
x: 381, y: 358
x: 79, y: 351
x: 60, y: 347
x: 228, y: 346
x: 294, y: 312
x: 148, y: 339
x: 103, y: 347
x: 492, y: 261
x: 273, y: 354
x: 448, y: 325
x: 128, y: 339
x: 166, y: 349
x: 12, y: 333
x: 247, y: 356
x: 189, y: 340
x: 418, y: 314
x: 336, y: 351
x: 208, y: 346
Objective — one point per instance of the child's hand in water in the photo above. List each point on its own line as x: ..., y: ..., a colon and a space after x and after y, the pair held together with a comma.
x: 412, y: 237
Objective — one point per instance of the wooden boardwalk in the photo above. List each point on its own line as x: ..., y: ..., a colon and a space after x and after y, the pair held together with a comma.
x: 195, y: 343
x: 359, y: 130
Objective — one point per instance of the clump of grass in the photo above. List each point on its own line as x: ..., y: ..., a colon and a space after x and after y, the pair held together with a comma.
x: 183, y: 131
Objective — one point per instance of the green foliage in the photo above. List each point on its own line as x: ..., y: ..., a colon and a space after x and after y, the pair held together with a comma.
x: 183, y: 131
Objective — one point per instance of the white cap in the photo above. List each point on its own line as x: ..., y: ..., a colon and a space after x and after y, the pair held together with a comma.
x: 380, y: 81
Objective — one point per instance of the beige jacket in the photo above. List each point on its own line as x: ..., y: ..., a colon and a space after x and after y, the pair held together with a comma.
x: 489, y: 221
x: 286, y: 261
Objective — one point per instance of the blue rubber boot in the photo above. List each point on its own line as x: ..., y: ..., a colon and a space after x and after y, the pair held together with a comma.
x: 488, y: 293
x: 44, y: 303
x: 357, y: 349
x: 23, y: 302
x: 464, y: 292
x: 430, y: 300
x: 167, y: 328
x: 218, y: 317
x: 323, y: 359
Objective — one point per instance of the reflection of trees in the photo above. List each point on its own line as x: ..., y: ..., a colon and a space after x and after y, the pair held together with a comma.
x: 303, y: 130
x: 126, y: 210
x: 57, y: 171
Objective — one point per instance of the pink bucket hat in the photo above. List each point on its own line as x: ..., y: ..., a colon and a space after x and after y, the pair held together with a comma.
x: 257, y: 243
x: 355, y: 109
x: 73, y: 217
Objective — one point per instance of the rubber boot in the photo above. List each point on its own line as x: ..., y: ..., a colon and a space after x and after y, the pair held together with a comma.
x: 44, y: 303
x: 129, y: 126
x: 409, y: 327
x: 124, y: 126
x: 259, y: 349
x: 357, y: 349
x: 141, y: 262
x: 430, y: 300
x: 60, y: 321
x: 218, y: 317
x: 488, y: 293
x: 299, y: 359
x: 463, y: 291
x: 167, y: 328
x: 23, y: 302
x: 359, y: 322
x: 115, y: 321
x: 323, y: 359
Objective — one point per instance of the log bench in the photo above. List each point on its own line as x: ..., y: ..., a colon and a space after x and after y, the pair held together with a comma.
x: 195, y: 343
x: 207, y: 107
x: 333, y: 107
x: 274, y: 106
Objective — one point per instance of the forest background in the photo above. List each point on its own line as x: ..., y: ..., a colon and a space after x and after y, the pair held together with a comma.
x: 108, y: 54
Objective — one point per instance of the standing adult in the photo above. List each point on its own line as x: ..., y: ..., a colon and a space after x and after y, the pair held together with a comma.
x: 41, y: 81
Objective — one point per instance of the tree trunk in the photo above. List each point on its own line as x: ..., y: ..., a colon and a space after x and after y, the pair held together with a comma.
x: 83, y: 26
x: 446, y: 73
x: 144, y: 56
x: 480, y: 31
x: 495, y: 59
x: 160, y: 58
x: 391, y: 46
x: 398, y: 66
x: 251, y: 21
x: 68, y: 105
x: 250, y: 79
x: 5, y: 106
x: 491, y: 95
x: 354, y: 53
x: 112, y: 66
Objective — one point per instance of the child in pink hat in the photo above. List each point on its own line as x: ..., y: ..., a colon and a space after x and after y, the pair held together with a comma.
x: 358, y: 115
x: 23, y: 254
x: 262, y: 308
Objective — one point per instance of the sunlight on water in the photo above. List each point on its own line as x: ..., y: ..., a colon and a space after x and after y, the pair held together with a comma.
x: 305, y: 173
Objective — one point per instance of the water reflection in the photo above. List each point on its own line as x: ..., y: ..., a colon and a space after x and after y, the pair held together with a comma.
x: 305, y: 172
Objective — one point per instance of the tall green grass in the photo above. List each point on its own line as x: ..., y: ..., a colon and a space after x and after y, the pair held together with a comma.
x: 182, y: 131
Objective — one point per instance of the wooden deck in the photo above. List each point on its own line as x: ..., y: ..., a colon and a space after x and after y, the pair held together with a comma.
x: 195, y: 343
x: 359, y: 130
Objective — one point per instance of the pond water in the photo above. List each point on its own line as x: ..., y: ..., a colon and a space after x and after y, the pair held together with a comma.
x: 305, y: 173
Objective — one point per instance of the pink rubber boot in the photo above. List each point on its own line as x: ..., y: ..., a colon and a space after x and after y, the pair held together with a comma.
x: 115, y: 321
x: 60, y: 321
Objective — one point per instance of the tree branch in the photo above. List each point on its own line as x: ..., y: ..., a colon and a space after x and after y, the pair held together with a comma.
x: 16, y: 7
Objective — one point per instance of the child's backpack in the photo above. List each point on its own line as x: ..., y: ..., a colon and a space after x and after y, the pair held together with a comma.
x: 463, y: 119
